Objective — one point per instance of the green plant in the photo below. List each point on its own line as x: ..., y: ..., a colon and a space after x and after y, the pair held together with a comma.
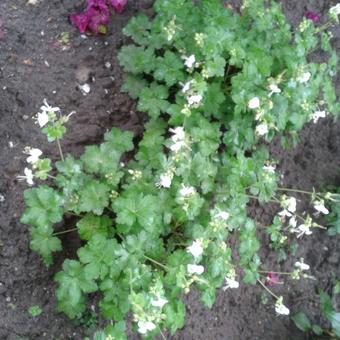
x: 34, y: 310
x: 156, y: 225
x: 329, y: 313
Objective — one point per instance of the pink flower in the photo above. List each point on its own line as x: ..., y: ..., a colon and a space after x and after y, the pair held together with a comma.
x: 97, y: 13
x: 313, y: 16
x: 272, y: 279
x: 118, y: 5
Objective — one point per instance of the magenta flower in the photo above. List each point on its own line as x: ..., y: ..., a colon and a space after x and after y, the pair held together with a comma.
x: 118, y: 5
x: 272, y: 279
x: 313, y: 16
x: 97, y: 14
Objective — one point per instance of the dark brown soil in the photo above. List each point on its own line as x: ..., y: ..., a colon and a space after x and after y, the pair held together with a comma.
x: 29, y: 37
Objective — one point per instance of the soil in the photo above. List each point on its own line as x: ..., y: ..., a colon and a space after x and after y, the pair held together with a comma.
x: 33, y: 66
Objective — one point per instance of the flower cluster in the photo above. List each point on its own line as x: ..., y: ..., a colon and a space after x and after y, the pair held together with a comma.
x: 97, y: 15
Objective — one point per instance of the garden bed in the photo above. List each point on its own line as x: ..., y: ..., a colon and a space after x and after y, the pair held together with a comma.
x: 35, y: 64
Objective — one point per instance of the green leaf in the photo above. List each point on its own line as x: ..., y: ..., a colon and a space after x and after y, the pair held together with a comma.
x: 138, y: 29
x: 98, y: 256
x: 117, y: 140
x: 112, y: 332
x: 43, y: 167
x: 44, y: 243
x: 169, y: 69
x: 54, y: 131
x: 72, y: 283
x: 153, y: 100
x: 134, y: 85
x: 216, y: 66
x: 175, y: 315
x: 209, y: 296
x: 44, y: 206
x: 34, y: 310
x: 137, y: 60
x: 326, y: 306
x: 335, y: 321
x: 301, y: 321
x: 91, y: 225
x: 137, y: 208
x: 94, y: 197
x: 317, y: 329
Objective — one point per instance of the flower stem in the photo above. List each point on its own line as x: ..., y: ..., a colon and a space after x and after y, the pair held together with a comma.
x: 64, y: 232
x: 60, y: 151
x: 281, y: 273
x: 156, y: 262
x: 297, y: 190
x: 267, y: 289
x: 162, y: 334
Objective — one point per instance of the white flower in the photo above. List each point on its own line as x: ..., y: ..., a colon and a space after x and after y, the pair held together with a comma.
x: 179, y: 134
x: 187, y: 191
x: 187, y: 85
x: 280, y: 308
x: 34, y: 155
x: 320, y: 207
x: 48, y: 108
x: 292, y: 222
x: 301, y: 265
x: 159, y: 303
x: 230, y: 283
x: 42, y: 119
x: 302, y: 230
x: 165, y: 180
x: 269, y: 168
x: 291, y: 204
x: 254, y: 103
x: 145, y: 326
x: 194, y: 99
x: 334, y: 12
x: 177, y: 146
x: 304, y: 77
x: 273, y: 89
x: 262, y: 129
x: 222, y: 215
x: 318, y: 114
x: 195, y: 269
x: 195, y: 249
x: 189, y: 61
x: 28, y: 176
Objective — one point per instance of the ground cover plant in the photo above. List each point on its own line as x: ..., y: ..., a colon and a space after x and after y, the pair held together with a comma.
x: 157, y: 224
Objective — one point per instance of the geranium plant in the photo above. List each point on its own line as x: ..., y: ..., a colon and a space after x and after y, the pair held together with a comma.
x: 214, y: 84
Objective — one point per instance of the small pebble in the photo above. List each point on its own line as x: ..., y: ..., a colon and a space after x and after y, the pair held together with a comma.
x: 108, y: 64
x: 54, y: 92
x: 25, y: 117
x: 90, y: 48
x: 106, y: 91
x: 106, y: 43
x: 83, y: 36
x: 42, y: 33
x: 2, y: 199
x: 46, y: 63
x: 85, y: 89
x: 4, y: 88
x: 11, y: 144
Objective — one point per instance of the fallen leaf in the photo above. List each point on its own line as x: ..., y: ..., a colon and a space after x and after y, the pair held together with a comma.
x: 28, y: 62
